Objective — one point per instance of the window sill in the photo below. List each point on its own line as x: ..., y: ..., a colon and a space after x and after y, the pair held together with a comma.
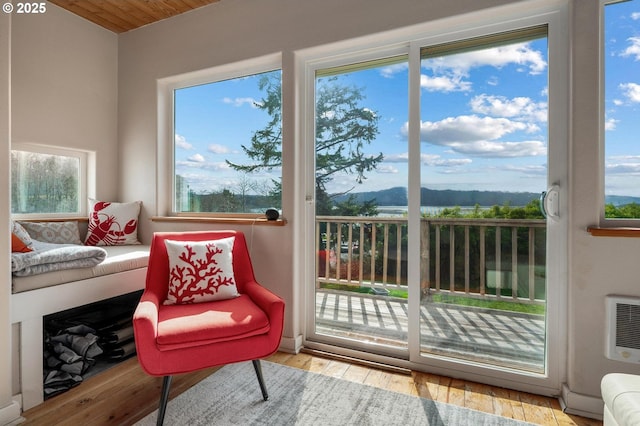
x: 597, y: 231
x: 236, y: 220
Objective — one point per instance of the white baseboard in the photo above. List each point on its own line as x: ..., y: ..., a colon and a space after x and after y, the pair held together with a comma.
x: 581, y: 405
x: 291, y: 345
x: 10, y: 415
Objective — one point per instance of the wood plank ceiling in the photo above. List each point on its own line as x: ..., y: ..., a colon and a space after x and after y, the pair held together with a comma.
x: 121, y: 16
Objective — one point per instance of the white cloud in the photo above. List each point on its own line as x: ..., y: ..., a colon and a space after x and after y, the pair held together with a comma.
x: 610, y: 124
x: 520, y: 107
x: 494, y: 149
x: 633, y: 49
x: 477, y: 136
x: 386, y: 169
x: 519, y: 53
x: 437, y: 161
x: 444, y: 84
x: 238, y: 102
x: 391, y: 70
x: 181, y: 142
x: 196, y: 158
x: 218, y: 149
x: 468, y: 128
x: 635, y: 16
x: 631, y: 91
x: 623, y: 165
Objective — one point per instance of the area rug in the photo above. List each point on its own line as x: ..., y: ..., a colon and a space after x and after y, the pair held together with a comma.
x: 231, y: 396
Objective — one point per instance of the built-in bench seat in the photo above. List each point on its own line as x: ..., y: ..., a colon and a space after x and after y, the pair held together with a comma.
x: 122, y: 272
x: 119, y: 259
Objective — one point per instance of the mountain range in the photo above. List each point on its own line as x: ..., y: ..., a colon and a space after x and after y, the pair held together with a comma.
x: 448, y: 197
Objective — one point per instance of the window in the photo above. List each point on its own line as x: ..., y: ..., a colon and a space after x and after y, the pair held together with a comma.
x: 621, y: 109
x: 227, y: 143
x: 47, y: 181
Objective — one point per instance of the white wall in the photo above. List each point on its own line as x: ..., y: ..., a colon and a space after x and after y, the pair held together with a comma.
x: 63, y: 93
x: 65, y: 88
x: 9, y: 410
x: 598, y: 266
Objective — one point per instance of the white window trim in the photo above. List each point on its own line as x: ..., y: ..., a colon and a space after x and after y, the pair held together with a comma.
x: 604, y: 221
x: 86, y: 179
x: 166, y: 131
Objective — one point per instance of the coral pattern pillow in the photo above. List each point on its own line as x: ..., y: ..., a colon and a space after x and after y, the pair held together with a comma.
x: 112, y: 224
x: 200, y: 271
x: 18, y: 246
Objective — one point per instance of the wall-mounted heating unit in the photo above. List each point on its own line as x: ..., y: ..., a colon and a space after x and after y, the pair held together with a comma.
x: 623, y: 329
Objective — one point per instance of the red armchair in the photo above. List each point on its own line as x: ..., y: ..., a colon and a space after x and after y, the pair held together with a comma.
x: 179, y: 338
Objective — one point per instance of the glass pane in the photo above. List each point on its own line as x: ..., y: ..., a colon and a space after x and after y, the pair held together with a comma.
x: 483, y: 167
x: 228, y: 143
x: 361, y: 202
x: 621, y: 109
x: 44, y: 183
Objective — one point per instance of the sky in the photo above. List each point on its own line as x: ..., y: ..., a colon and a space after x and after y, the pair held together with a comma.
x: 483, y: 119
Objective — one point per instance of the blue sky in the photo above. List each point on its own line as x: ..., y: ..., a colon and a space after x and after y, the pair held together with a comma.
x: 483, y: 114
x: 622, y: 98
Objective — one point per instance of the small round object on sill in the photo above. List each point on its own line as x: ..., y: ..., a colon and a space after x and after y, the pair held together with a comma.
x: 272, y: 214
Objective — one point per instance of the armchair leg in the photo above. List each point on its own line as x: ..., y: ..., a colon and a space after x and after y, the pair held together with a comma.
x: 263, y: 388
x: 164, y: 398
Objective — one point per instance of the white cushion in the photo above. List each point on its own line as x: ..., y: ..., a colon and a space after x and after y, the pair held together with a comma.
x: 621, y: 395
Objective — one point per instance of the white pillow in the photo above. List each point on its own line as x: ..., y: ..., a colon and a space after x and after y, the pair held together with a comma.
x: 112, y: 224
x: 200, y: 271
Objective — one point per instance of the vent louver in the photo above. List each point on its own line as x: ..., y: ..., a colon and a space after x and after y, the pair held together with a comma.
x: 623, y: 328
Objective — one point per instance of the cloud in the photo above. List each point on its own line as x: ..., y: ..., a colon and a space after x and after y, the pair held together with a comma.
x: 217, y: 149
x: 444, y: 84
x: 520, y: 107
x: 468, y: 128
x: 610, y: 124
x: 181, y: 142
x: 386, y: 169
x: 635, y: 16
x: 631, y: 91
x: 494, y: 149
x: 634, y: 48
x: 434, y: 160
x: 500, y: 56
x: 196, y: 158
x: 623, y: 164
x: 201, y: 163
x: 477, y: 136
x: 238, y: 102
x: 391, y: 70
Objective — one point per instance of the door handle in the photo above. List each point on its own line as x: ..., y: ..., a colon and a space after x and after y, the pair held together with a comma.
x: 550, y: 202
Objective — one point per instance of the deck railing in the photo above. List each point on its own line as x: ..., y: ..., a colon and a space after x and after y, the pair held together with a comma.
x: 481, y: 258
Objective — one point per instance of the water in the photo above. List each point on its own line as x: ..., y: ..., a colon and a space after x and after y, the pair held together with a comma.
x: 392, y: 211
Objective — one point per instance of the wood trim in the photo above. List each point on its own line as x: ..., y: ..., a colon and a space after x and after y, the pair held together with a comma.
x: 235, y: 220
x: 597, y: 231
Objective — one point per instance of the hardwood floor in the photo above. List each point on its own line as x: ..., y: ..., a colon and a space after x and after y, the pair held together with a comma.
x: 125, y: 394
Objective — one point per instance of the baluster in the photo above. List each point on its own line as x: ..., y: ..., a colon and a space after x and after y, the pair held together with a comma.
x: 437, y: 257
x: 452, y: 258
x: 514, y: 262
x: 532, y: 264
x: 466, y: 259
x: 398, y: 253
x: 498, y: 262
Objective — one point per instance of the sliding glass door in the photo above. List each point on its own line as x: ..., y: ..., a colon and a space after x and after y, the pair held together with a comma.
x: 431, y: 243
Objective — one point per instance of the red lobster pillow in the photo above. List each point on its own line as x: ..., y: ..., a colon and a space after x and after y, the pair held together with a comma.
x: 200, y: 271
x: 112, y: 224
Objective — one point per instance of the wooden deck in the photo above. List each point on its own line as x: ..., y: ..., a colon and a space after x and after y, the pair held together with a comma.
x: 509, y: 339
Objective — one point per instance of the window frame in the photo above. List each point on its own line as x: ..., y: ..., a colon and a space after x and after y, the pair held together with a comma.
x: 85, y: 158
x: 166, y: 129
x: 605, y: 222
